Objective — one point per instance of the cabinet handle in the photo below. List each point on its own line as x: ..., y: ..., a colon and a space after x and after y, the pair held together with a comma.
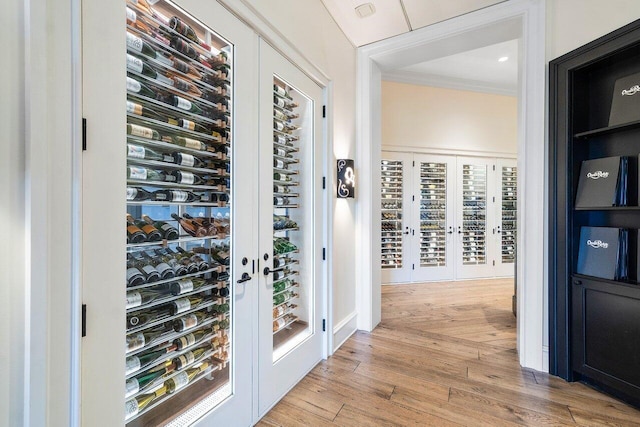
x: 450, y: 230
x: 267, y: 270
x: 245, y: 278
x: 577, y: 282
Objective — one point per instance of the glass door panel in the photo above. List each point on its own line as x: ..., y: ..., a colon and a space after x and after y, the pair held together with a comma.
x: 291, y: 298
x: 395, y: 219
x: 473, y: 228
x: 507, y: 205
x: 435, y: 208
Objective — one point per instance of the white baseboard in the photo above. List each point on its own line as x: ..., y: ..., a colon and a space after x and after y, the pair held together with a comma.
x: 545, y: 358
x: 343, y: 330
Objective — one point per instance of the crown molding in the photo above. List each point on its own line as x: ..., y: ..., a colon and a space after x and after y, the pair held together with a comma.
x: 420, y: 79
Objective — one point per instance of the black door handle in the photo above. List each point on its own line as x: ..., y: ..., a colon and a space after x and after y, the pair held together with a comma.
x: 245, y: 278
x: 267, y: 270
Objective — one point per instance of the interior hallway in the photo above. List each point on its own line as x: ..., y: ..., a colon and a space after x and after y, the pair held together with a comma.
x: 443, y: 355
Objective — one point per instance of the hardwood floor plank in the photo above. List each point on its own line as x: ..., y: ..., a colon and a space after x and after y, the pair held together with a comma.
x: 443, y: 355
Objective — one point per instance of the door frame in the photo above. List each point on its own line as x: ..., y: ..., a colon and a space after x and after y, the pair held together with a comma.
x: 522, y: 19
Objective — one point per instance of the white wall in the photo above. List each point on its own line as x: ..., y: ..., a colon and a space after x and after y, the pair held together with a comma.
x: 448, y: 119
x: 308, y: 26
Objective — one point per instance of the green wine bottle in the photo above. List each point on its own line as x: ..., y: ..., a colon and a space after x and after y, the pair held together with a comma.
x: 141, y: 297
x: 135, y: 363
x: 185, y: 104
x: 137, y: 45
x: 185, y: 304
x: 135, y: 86
x: 139, y: 66
x: 133, y: 406
x: 168, y: 231
x: 144, y: 174
x: 184, y: 377
x: 140, y: 152
x: 190, y: 356
x: 135, y: 384
x: 182, y: 141
x: 191, y: 338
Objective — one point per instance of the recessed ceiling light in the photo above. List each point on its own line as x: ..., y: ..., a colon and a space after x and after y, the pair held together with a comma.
x: 503, y: 59
x: 365, y: 9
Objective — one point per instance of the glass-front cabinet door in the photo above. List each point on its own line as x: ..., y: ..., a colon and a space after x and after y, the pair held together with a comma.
x: 507, y: 207
x: 167, y: 214
x: 395, y: 217
x: 474, y: 213
x: 433, y: 240
x: 290, y: 293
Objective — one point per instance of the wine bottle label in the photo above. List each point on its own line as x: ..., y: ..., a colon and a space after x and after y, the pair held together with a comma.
x: 278, y: 163
x: 280, y: 189
x: 187, y: 124
x: 131, y: 15
x: 163, y: 268
x: 130, y: 408
x: 280, y: 90
x: 141, y: 131
x: 280, y: 139
x: 280, y: 102
x: 131, y: 273
x: 131, y: 194
x: 187, y: 178
x: 278, y: 311
x: 134, y: 108
x: 166, y: 227
x: 189, y: 322
x: 180, y: 380
x: 183, y: 103
x: 279, y: 126
x: 134, y: 64
x: 186, y: 359
x: 192, y: 143
x: 180, y: 84
x: 133, y: 42
x: 133, y: 85
x: 132, y: 365
x: 135, y: 342
x: 185, y: 286
x: 181, y: 305
x: 135, y: 151
x: 281, y: 152
x: 134, y: 299
x: 277, y: 324
x: 148, y: 269
x: 131, y: 387
x: 186, y: 341
x: 187, y: 160
x: 179, y: 196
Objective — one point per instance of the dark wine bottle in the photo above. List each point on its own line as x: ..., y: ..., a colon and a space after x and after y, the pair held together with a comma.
x: 183, y: 47
x: 168, y: 231
x: 185, y: 104
x: 185, y: 159
x: 152, y: 233
x: 181, y: 27
x: 139, y: 66
x: 137, y: 193
x: 135, y: 86
x: 134, y: 233
x: 145, y: 317
x: 177, y: 196
x: 135, y: 363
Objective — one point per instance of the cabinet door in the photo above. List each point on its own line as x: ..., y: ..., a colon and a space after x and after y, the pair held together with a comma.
x: 506, y: 215
x: 290, y: 293
x: 474, y: 213
x: 395, y: 217
x: 433, y: 213
x: 168, y: 290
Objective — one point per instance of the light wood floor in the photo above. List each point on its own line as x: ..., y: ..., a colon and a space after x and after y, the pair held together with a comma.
x: 443, y: 355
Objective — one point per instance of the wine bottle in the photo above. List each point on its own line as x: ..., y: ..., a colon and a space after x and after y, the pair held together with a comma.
x: 145, y: 317
x: 184, y: 304
x: 139, y: 66
x: 283, y: 297
x: 141, y: 339
x: 152, y: 233
x: 184, y: 159
x: 194, y: 126
x: 191, y: 143
x: 141, y: 173
x: 141, y: 297
x: 283, y: 177
x: 281, y: 201
x: 195, y: 258
x: 281, y: 285
x: 141, y: 110
x: 165, y: 270
x: 139, y: 88
x: 140, y: 152
x: 177, y: 196
x: 280, y: 164
x: 207, y: 223
x: 191, y: 338
x: 185, y: 86
x: 280, y: 274
x: 282, y: 322
x: 137, y: 362
x: 220, y: 255
x: 188, y: 285
x: 186, y: 261
x: 183, y: 47
x: 134, y: 233
x: 137, y: 193
x: 135, y: 277
x: 184, y: 377
x: 135, y: 384
x: 142, y: 131
x: 185, y: 104
x: 190, y: 357
x: 168, y: 231
x: 181, y: 27
x: 178, y: 268
x: 134, y: 406
x: 190, y: 321
x: 137, y: 45
x: 190, y: 227
x: 184, y: 177
x: 149, y: 271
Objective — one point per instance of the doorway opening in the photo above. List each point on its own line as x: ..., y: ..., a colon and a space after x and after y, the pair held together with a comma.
x: 516, y: 19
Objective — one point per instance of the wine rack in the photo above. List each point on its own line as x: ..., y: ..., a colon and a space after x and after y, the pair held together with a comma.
x: 179, y: 305
x: 391, y: 211
x: 433, y: 208
x: 286, y: 208
x: 474, y: 214
x: 509, y: 211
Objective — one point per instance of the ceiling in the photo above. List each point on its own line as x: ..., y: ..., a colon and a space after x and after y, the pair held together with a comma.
x: 475, y: 69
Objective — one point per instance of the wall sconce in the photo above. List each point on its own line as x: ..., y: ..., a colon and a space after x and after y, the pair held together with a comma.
x: 346, y: 179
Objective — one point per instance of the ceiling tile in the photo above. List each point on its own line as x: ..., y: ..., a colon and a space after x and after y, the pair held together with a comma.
x: 426, y: 12
x: 387, y: 21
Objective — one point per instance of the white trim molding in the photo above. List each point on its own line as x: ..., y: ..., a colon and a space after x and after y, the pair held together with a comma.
x: 422, y: 149
x: 516, y: 19
x: 433, y: 80
x: 344, y: 329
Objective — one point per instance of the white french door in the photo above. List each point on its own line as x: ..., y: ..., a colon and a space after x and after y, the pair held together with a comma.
x: 395, y: 218
x: 290, y: 311
x: 474, y: 218
x: 433, y: 240
x: 506, y: 216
